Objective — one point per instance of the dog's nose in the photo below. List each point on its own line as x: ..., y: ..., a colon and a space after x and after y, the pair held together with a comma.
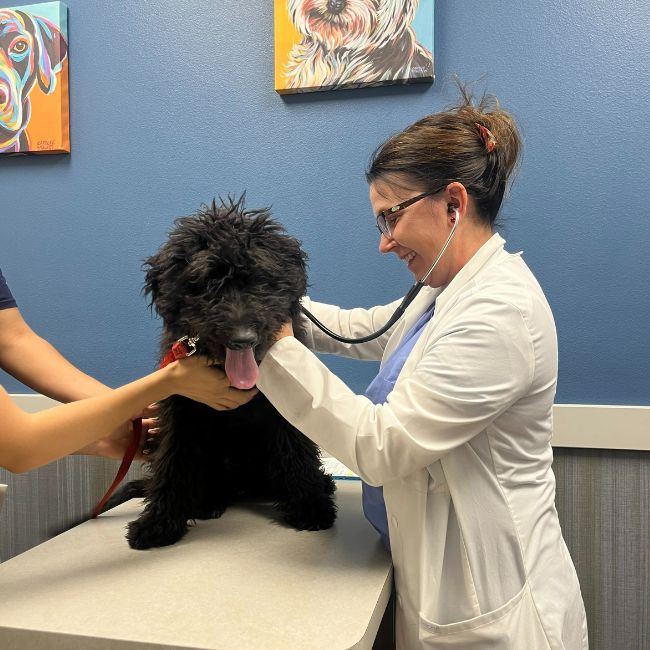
x: 335, y: 6
x: 242, y: 338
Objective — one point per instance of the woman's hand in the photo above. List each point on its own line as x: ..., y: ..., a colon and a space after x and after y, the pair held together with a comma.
x: 115, y: 444
x: 195, y: 378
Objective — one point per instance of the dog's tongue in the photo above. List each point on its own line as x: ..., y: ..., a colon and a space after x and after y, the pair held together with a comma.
x: 241, y: 368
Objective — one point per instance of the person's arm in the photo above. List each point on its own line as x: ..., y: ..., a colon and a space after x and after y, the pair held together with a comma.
x: 37, y: 364
x: 115, y: 444
x: 463, y: 381
x: 31, y: 440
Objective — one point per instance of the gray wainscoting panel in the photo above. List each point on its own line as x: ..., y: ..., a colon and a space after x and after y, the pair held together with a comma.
x: 50, y: 499
x: 603, y: 501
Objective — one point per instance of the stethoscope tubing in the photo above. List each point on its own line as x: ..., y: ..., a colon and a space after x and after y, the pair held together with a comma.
x: 397, y: 314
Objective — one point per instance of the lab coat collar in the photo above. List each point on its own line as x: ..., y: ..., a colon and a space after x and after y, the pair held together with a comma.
x: 443, y: 295
x: 483, y: 255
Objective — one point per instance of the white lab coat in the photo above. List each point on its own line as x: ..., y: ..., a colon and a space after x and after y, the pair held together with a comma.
x: 463, y: 450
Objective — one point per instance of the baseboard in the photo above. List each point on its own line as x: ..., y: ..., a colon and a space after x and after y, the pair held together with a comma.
x: 592, y: 426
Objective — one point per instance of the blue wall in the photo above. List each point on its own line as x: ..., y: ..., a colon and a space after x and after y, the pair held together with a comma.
x: 173, y: 102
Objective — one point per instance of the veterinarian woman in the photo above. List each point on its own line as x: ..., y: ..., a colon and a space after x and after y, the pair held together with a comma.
x: 457, y: 425
x: 96, y: 425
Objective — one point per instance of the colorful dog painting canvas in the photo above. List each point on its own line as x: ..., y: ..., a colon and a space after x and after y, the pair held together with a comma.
x: 34, y: 99
x: 332, y: 44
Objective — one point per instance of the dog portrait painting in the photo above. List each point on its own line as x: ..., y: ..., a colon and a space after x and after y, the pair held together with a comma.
x: 227, y: 278
x: 34, y: 100
x: 335, y: 44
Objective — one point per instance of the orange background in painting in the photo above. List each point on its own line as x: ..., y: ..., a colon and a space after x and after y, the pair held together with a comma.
x: 49, y: 127
x: 286, y: 35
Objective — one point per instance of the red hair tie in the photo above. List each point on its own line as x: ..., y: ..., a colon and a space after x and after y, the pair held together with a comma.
x: 486, y: 135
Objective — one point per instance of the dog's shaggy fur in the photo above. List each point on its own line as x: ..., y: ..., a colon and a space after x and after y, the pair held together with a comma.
x: 231, y: 277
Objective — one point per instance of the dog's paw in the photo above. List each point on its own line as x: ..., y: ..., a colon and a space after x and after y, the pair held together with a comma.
x: 314, y: 515
x: 147, y: 533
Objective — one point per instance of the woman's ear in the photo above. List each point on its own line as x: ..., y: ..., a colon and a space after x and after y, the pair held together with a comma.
x: 457, y: 198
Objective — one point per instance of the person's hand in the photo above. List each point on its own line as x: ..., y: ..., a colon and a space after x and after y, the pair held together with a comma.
x: 115, y: 444
x: 285, y: 330
x: 195, y: 378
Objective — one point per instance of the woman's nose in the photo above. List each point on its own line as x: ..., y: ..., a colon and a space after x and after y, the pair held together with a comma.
x: 386, y: 244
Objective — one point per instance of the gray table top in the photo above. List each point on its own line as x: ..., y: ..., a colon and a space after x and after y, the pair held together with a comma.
x: 244, y: 581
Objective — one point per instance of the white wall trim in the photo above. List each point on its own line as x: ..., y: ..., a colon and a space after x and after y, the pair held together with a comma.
x: 33, y: 403
x: 593, y: 426
x: 599, y: 426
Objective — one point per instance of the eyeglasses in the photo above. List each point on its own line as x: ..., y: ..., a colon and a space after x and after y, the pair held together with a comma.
x: 387, y: 219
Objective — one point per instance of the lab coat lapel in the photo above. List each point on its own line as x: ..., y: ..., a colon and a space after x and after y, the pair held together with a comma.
x: 445, y: 298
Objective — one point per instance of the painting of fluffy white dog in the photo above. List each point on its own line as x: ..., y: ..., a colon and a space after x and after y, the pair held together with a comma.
x: 354, y: 43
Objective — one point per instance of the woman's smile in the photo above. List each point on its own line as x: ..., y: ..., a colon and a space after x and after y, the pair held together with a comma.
x: 408, y: 258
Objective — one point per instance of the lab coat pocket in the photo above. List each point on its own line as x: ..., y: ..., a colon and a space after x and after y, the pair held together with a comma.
x: 512, y: 626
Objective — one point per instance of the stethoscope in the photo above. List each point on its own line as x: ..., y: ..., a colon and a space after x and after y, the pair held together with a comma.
x: 408, y: 299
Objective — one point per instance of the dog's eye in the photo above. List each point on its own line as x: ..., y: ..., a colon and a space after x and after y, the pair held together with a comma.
x: 19, y: 47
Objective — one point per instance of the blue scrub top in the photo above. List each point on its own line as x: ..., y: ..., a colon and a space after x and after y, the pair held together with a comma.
x: 377, y: 392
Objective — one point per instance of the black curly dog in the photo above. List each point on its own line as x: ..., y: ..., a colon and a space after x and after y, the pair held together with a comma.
x: 230, y: 277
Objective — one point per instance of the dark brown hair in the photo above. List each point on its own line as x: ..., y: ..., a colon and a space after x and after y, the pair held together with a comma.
x: 449, y: 146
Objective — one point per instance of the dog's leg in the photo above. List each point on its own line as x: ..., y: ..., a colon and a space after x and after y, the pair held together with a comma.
x: 179, y: 472
x: 304, y: 492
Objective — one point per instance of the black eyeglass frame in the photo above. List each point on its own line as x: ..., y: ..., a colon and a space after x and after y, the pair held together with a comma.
x: 382, y: 218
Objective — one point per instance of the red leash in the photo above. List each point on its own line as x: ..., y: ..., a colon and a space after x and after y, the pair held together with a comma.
x: 184, y: 347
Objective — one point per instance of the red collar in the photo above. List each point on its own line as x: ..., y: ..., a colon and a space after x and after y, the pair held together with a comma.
x: 184, y: 347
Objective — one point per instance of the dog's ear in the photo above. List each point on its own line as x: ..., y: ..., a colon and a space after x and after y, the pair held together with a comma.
x: 152, y: 269
x: 52, y: 50
x: 296, y: 259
